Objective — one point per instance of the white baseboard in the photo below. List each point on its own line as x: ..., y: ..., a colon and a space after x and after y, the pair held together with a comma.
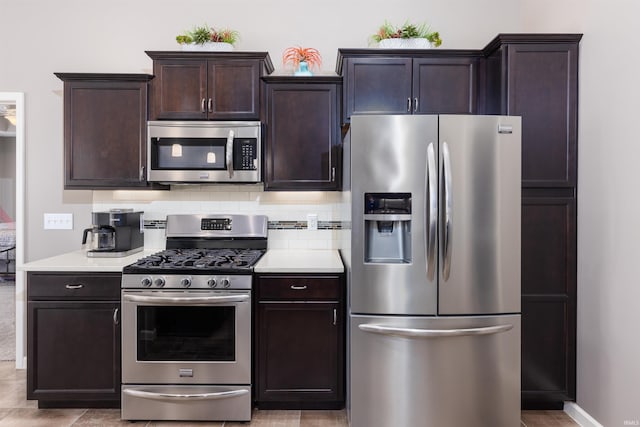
x: 580, y: 415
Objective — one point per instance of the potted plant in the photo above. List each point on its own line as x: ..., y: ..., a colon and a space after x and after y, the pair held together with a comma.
x: 407, y: 36
x: 204, y: 37
x: 302, y: 59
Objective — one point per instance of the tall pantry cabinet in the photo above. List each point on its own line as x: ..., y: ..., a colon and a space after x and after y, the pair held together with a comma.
x: 536, y: 77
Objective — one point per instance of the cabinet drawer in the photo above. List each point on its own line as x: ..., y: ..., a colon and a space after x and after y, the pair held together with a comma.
x: 299, y: 287
x: 69, y: 286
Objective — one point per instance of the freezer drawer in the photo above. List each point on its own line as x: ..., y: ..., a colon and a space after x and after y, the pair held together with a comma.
x: 434, y: 372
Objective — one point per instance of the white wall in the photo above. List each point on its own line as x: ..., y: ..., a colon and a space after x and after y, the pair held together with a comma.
x: 608, y: 347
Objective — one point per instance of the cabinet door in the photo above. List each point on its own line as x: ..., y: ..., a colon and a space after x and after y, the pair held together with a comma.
x: 542, y: 86
x: 548, y: 301
x: 444, y: 86
x: 377, y: 86
x: 105, y: 134
x: 299, y: 354
x: 234, y: 90
x: 301, y: 150
x: 179, y: 89
x: 73, y: 352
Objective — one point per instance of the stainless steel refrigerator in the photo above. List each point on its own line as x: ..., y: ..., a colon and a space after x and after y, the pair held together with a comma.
x: 434, y: 271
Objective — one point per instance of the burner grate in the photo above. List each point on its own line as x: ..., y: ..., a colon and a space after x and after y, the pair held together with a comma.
x: 200, y: 259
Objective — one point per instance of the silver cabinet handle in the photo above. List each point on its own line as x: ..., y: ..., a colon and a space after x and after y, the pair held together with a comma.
x: 408, y: 105
x: 432, y: 211
x: 75, y: 286
x: 185, y: 300
x: 141, y: 177
x: 210, y: 104
x: 203, y: 107
x: 415, y: 105
x: 448, y: 211
x: 115, y: 316
x: 333, y: 174
x: 298, y: 287
x: 230, y: 153
x: 335, y: 317
x: 433, y: 333
x: 175, y: 396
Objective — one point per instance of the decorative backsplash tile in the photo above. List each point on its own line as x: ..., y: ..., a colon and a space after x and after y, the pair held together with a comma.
x: 159, y: 224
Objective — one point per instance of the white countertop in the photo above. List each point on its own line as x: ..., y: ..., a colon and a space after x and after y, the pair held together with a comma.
x: 79, y: 261
x: 300, y: 261
x: 274, y: 261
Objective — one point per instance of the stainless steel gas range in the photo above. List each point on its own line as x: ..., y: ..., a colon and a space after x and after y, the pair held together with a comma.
x: 186, y: 321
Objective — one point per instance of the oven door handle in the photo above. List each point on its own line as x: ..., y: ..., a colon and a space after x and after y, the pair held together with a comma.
x: 144, y: 299
x: 182, y: 397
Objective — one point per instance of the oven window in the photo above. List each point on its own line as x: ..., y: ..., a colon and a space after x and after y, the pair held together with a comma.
x: 178, y: 333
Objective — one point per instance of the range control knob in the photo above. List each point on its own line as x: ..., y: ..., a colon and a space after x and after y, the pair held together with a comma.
x: 185, y: 282
x: 159, y: 282
x: 226, y: 283
x: 212, y: 283
x: 146, y: 282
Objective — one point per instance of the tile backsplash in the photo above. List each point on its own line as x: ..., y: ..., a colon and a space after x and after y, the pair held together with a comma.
x: 287, y: 211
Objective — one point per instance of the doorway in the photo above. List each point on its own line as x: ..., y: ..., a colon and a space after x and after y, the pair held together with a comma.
x: 12, y: 295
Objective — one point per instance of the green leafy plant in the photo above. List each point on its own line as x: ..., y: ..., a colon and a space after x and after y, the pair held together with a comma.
x: 407, y: 31
x: 203, y: 34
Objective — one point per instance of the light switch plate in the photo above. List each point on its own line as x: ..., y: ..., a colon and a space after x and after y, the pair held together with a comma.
x: 312, y: 221
x: 58, y: 221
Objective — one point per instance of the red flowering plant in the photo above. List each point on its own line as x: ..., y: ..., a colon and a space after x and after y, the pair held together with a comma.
x: 296, y: 54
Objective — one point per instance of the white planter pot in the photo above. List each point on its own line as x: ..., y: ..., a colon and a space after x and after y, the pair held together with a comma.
x: 417, y: 43
x: 207, y: 47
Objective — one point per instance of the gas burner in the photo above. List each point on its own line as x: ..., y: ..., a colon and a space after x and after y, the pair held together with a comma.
x: 199, y: 260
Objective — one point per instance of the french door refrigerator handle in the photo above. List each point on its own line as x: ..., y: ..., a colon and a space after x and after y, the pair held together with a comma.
x: 448, y: 211
x: 433, y: 333
x: 183, y: 397
x: 230, y: 153
x: 432, y: 211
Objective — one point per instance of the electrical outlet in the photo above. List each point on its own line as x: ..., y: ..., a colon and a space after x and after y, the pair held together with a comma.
x: 312, y: 221
x: 58, y: 221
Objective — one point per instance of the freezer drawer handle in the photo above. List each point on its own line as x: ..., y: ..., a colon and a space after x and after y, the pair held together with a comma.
x: 433, y: 333
x: 186, y: 300
x: 184, y: 397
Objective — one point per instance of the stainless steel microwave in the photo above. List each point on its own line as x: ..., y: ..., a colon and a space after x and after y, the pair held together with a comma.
x: 204, y: 152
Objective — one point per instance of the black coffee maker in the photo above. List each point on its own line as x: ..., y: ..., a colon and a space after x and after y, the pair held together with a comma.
x: 116, y: 233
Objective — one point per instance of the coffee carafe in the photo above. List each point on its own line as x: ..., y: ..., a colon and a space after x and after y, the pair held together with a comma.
x: 103, y: 238
x: 115, y: 233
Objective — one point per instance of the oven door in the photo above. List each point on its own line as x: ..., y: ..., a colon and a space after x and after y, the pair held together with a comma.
x: 204, y: 151
x: 186, y: 337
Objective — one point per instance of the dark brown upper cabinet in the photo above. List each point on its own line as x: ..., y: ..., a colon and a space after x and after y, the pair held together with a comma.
x: 302, y: 148
x: 536, y: 76
x: 207, y: 85
x: 105, y: 136
x: 382, y: 81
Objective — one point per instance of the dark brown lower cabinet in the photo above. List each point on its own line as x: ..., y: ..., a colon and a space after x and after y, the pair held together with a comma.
x: 73, y: 339
x: 299, y: 351
x: 548, y: 300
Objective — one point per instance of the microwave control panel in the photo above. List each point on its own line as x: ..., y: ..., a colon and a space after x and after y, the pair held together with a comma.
x: 245, y: 154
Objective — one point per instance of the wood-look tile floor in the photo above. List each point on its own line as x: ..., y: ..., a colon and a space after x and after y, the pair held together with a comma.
x: 16, y: 411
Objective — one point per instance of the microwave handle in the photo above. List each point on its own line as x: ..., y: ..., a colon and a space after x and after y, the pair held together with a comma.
x: 230, y: 153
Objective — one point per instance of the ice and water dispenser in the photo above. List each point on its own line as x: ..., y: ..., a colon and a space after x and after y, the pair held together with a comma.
x: 387, y: 228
